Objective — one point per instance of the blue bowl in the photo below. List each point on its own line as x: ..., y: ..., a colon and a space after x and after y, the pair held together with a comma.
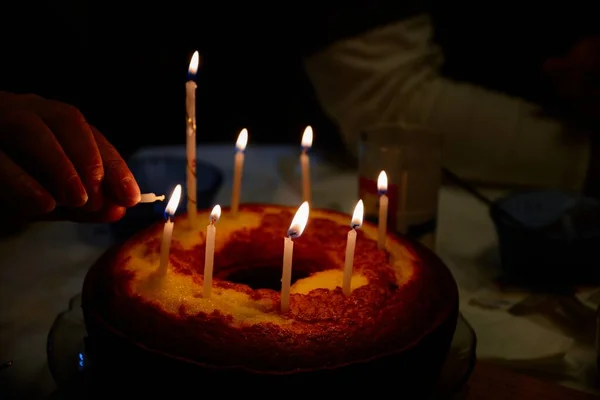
x: 552, y: 239
x: 160, y: 175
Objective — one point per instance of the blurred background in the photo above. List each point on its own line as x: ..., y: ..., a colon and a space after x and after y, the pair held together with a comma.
x: 126, y: 70
x: 125, y: 65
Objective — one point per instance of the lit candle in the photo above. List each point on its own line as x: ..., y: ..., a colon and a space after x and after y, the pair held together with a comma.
x: 296, y: 229
x: 238, y: 168
x: 357, y: 219
x: 190, y: 146
x: 165, y: 245
x: 151, y: 198
x: 307, y: 139
x: 209, y: 254
x: 382, y: 185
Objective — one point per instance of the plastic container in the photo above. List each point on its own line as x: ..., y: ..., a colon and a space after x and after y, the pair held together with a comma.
x: 554, y: 238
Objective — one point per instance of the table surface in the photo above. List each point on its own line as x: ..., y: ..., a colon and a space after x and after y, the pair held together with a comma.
x: 490, y: 382
x: 43, y: 267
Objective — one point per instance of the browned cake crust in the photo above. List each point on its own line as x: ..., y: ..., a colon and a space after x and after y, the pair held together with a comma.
x: 394, y: 309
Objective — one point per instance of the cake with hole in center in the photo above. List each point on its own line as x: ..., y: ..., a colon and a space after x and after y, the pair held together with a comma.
x: 394, y: 328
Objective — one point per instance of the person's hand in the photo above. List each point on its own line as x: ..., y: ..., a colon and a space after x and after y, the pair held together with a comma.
x: 576, y: 77
x: 54, y: 165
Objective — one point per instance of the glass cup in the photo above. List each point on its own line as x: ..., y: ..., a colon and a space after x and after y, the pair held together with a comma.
x: 411, y: 156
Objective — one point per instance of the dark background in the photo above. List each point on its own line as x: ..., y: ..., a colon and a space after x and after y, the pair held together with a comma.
x: 125, y: 65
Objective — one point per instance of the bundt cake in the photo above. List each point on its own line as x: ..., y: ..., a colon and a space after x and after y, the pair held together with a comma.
x: 393, y: 329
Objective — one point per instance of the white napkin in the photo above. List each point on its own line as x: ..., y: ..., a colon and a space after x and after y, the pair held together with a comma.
x: 516, y: 341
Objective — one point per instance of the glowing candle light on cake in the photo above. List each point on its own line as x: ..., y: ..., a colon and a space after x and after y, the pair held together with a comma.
x: 165, y: 245
x: 151, y: 198
x: 355, y: 223
x: 382, y: 186
x: 238, y: 168
x: 190, y: 107
x: 307, y: 139
x: 209, y: 254
x: 296, y: 228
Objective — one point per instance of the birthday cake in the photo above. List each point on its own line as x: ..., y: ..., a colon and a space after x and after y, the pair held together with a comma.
x: 399, y: 317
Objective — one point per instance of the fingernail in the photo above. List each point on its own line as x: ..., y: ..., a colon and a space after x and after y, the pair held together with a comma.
x: 130, y: 192
x: 42, y: 203
x: 94, y: 202
x: 74, y: 193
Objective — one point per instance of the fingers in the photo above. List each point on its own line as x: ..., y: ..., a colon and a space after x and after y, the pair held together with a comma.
x: 75, y: 136
x: 118, y: 179
x: 108, y: 213
x: 22, y: 195
x: 59, y: 155
x: 24, y: 136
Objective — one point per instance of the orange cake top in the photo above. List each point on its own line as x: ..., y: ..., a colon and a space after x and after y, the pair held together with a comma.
x: 397, y: 295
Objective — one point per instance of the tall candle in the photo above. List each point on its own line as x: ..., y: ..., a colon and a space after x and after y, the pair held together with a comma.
x: 165, y: 245
x: 238, y: 168
x: 286, y: 275
x: 307, y: 139
x: 190, y: 145
x: 296, y: 228
x: 151, y: 198
x: 382, y: 185
x: 209, y: 253
x: 355, y: 223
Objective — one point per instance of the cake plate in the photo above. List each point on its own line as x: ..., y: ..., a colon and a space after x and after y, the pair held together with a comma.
x: 70, y: 366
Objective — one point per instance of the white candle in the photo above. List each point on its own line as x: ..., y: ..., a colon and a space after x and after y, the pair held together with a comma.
x: 238, y: 168
x: 165, y: 245
x: 296, y: 228
x: 357, y: 219
x: 286, y: 276
x: 209, y: 253
x: 382, y: 186
x: 307, y: 139
x: 151, y: 198
x: 190, y: 145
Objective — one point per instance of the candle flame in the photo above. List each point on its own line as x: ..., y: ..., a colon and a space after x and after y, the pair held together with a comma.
x: 307, y: 138
x: 215, y: 214
x: 382, y: 182
x: 242, y: 140
x: 357, y: 216
x: 193, y: 68
x: 299, y: 221
x: 173, y: 201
